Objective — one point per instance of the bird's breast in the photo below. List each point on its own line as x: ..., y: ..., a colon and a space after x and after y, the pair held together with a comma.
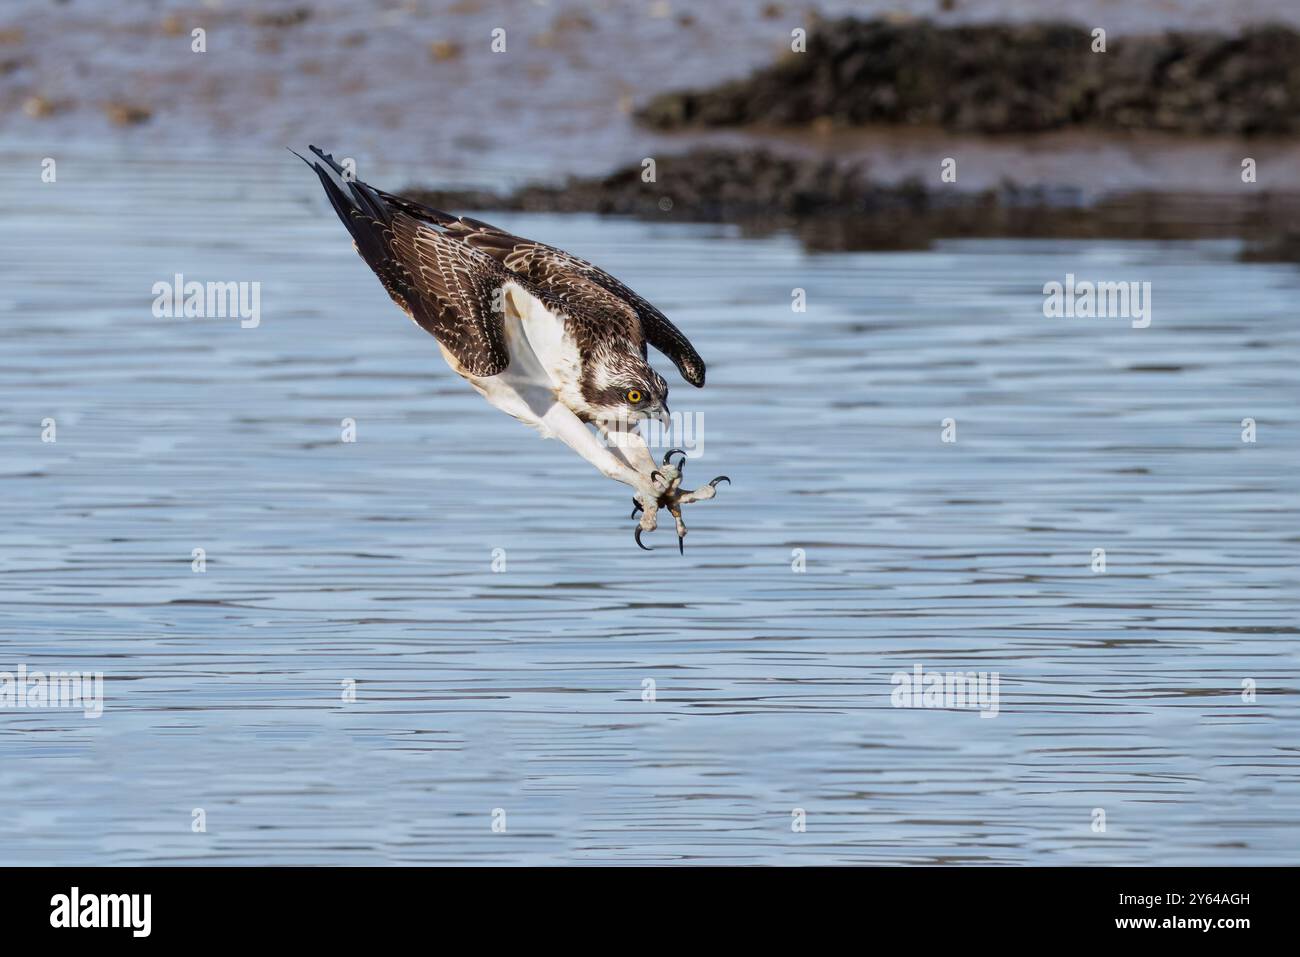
x: 539, y: 339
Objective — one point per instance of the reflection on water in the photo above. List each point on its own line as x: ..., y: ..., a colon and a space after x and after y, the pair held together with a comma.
x: 523, y: 690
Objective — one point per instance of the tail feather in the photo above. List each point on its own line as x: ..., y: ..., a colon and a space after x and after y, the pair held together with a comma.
x: 418, y: 210
x: 375, y: 203
x: 359, y: 206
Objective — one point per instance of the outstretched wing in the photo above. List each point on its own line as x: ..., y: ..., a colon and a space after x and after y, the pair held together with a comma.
x: 446, y: 286
x: 573, y: 281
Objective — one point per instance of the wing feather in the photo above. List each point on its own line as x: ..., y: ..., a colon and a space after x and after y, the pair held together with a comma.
x: 576, y: 283
x: 447, y: 287
x: 454, y: 295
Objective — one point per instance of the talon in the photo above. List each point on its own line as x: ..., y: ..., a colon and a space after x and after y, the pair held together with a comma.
x: 636, y: 507
x: 720, y: 478
x: 681, y: 528
x: 637, y: 536
x: 669, y: 454
x: 653, y: 474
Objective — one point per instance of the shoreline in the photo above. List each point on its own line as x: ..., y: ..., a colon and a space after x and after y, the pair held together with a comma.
x: 832, y: 205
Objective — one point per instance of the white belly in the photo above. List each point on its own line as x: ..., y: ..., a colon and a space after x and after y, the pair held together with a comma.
x: 545, y: 366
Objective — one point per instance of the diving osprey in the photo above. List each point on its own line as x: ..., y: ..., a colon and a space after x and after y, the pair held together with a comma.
x: 542, y: 335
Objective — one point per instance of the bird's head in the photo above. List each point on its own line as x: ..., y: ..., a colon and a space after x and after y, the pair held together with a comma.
x: 629, y: 390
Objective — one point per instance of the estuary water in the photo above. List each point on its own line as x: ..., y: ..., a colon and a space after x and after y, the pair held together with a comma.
x: 438, y: 643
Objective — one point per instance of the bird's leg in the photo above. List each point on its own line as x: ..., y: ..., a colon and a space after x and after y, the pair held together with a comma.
x: 703, y: 493
x: 663, y: 480
x: 630, y: 445
x: 648, y: 522
x: 573, y: 432
x: 673, y: 474
x: 669, y: 472
x: 673, y: 497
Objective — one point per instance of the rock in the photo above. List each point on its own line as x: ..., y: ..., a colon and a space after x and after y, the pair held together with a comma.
x: 830, y: 205
x: 1009, y: 78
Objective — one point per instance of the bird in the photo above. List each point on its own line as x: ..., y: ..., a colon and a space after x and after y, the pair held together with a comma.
x: 544, y: 336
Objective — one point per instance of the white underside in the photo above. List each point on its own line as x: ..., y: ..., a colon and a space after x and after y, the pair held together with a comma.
x: 541, y: 387
x: 545, y: 366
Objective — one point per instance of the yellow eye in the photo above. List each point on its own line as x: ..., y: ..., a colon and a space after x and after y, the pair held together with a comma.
x: 633, y: 396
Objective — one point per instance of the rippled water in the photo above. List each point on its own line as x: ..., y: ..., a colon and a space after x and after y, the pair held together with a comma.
x: 523, y: 690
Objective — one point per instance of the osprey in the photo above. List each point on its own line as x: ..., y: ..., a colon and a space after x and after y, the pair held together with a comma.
x: 544, y: 336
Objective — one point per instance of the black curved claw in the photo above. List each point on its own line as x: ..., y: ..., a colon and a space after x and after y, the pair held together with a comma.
x: 669, y: 454
x: 636, y: 507
x: 653, y: 474
x: 720, y: 478
x: 681, y: 544
x: 637, y: 536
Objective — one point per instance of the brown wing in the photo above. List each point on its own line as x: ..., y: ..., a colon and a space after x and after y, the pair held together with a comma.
x: 569, y: 279
x: 446, y: 286
x: 453, y: 288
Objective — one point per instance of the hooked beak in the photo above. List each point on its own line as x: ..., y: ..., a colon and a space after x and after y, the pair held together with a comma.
x: 664, y: 417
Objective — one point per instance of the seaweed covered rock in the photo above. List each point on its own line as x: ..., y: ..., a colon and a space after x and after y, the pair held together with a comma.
x: 1004, y: 78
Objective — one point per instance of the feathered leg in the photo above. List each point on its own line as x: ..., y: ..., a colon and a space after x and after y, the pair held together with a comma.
x: 561, y: 423
x: 629, y: 461
x: 630, y: 445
